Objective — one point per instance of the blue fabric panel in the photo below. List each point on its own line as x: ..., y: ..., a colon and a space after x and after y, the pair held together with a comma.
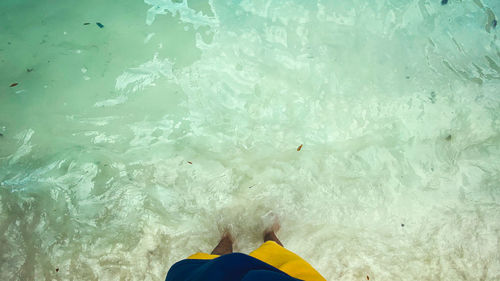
x: 232, y: 267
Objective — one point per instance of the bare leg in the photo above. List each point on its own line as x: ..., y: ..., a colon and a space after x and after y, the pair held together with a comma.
x: 225, y: 245
x: 270, y: 235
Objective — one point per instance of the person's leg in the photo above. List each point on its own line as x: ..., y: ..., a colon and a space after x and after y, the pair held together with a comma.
x: 225, y: 245
x: 270, y: 235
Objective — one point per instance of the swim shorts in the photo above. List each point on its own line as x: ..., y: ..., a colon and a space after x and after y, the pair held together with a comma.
x: 269, y: 262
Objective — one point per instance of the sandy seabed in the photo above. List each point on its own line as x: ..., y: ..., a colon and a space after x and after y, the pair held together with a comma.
x: 128, y: 146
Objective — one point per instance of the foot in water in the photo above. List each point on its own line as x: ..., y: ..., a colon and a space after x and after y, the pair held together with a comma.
x: 225, y: 245
x: 270, y: 233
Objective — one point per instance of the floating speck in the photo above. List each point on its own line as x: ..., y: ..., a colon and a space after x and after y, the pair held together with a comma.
x: 299, y: 148
x: 14, y: 84
x: 444, y: 2
x: 494, y: 23
x: 448, y: 138
x: 432, y: 98
x: 99, y: 24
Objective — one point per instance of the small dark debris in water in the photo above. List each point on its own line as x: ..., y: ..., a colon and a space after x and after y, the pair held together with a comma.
x: 444, y: 2
x: 494, y: 23
x: 99, y: 24
x: 402, y: 225
x: 190, y: 162
x: 251, y: 186
x: 299, y: 148
x: 407, y: 77
x: 1, y: 135
x: 367, y: 277
x: 57, y: 269
x: 86, y: 23
x: 433, y: 97
x: 29, y: 69
x: 14, y: 84
x: 448, y: 138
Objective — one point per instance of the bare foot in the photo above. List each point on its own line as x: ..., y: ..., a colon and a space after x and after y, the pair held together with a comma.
x: 225, y: 245
x: 270, y: 233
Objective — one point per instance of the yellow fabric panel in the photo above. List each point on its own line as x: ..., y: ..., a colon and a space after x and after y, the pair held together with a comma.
x: 286, y: 261
x: 202, y: 256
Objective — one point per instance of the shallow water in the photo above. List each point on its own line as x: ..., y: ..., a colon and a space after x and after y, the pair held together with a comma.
x: 128, y: 147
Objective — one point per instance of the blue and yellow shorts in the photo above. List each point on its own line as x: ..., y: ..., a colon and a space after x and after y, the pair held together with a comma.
x: 269, y: 262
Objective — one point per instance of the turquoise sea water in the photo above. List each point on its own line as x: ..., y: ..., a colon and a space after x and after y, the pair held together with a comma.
x: 129, y: 147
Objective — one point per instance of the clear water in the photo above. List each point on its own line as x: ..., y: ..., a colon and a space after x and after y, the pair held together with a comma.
x: 396, y: 103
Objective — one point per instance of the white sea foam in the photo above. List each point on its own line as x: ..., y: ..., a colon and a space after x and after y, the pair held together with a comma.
x: 25, y: 145
x: 137, y: 78
x: 186, y: 14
